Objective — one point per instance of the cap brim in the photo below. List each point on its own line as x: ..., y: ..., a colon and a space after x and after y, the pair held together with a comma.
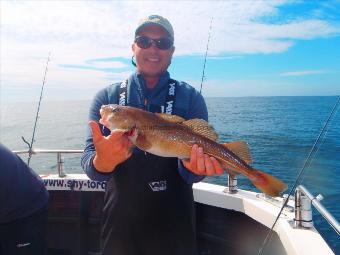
x: 151, y: 23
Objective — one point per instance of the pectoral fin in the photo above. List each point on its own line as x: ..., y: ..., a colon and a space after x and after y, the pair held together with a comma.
x: 142, y: 142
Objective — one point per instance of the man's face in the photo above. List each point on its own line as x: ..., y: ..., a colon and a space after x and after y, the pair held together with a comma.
x: 152, y: 62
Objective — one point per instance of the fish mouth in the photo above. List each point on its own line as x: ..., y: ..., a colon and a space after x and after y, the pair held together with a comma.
x: 105, y: 115
x: 104, y: 120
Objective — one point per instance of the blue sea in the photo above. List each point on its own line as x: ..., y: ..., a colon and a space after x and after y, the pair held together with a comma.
x: 280, y: 132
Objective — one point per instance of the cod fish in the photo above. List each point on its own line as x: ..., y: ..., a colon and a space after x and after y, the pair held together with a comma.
x: 172, y: 136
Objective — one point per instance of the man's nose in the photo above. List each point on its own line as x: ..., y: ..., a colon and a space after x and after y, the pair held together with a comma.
x: 153, y: 46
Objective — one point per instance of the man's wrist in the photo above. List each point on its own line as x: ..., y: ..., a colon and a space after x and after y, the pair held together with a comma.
x: 102, y: 166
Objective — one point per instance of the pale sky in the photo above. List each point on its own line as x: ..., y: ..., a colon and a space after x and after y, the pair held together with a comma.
x: 257, y: 48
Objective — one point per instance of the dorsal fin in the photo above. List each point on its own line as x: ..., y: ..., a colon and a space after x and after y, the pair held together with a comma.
x: 241, y: 149
x: 202, y: 127
x: 170, y: 117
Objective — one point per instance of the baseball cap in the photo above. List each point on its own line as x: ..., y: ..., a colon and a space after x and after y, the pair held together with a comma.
x: 158, y: 20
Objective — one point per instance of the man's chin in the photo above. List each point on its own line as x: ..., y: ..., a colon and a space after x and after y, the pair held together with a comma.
x: 153, y: 73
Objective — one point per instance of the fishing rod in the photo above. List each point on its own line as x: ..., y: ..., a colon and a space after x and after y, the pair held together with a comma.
x: 309, y: 158
x: 206, y: 54
x: 30, y: 145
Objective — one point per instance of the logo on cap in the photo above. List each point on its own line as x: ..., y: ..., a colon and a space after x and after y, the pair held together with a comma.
x: 158, y: 20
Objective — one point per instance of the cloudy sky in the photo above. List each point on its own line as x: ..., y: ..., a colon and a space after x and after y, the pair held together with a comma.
x: 257, y: 48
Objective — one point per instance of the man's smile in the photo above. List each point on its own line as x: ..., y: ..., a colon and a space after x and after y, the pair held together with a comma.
x: 153, y: 59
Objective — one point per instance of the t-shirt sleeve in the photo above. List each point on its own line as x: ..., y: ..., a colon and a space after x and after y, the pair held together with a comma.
x: 197, y: 109
x: 101, y: 98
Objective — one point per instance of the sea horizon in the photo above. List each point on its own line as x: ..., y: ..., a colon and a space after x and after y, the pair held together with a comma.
x: 90, y: 99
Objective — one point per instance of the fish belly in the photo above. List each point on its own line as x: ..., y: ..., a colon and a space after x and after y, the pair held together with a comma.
x: 170, y: 150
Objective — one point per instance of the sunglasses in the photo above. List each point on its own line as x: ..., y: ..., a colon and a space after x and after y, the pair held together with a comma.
x: 145, y: 42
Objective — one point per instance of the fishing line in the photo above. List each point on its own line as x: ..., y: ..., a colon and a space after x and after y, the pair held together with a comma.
x: 322, y: 140
x: 298, y: 178
x: 30, y: 145
x: 206, y: 54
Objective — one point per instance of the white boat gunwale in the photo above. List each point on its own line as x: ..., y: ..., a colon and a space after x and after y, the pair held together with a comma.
x: 249, y: 203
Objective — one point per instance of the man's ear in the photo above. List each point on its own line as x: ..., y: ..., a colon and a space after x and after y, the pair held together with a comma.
x: 172, y: 50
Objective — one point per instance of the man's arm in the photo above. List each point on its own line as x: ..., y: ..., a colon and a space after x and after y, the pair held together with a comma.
x: 200, y: 164
x: 197, y: 109
x: 90, y: 150
x: 104, y: 150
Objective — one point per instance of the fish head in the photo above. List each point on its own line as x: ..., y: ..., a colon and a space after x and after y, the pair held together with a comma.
x: 117, y: 117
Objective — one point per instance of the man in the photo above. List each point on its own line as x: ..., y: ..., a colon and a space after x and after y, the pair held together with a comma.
x: 148, y: 207
x: 23, y: 207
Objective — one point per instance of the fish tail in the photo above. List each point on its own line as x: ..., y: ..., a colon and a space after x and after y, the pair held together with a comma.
x: 267, y: 183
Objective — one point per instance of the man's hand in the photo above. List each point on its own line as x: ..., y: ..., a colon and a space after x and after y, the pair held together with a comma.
x: 110, y: 150
x: 202, y: 164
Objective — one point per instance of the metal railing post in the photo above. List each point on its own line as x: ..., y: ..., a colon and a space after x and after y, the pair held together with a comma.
x: 315, y: 201
x: 303, y: 210
x: 297, y: 208
x: 60, y: 162
x: 232, y: 184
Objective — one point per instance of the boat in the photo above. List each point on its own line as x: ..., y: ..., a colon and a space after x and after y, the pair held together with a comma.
x: 229, y: 220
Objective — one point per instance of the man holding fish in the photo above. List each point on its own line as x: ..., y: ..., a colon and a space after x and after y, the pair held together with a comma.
x: 149, y: 207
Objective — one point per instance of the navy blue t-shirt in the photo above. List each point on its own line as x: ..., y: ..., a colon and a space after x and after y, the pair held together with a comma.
x: 189, y: 105
x: 22, y: 191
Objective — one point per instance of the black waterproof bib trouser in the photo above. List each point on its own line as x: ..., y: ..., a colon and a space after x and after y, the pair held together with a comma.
x: 148, y: 209
x: 151, y: 209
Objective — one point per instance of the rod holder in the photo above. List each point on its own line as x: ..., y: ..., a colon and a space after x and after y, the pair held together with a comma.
x: 232, y: 184
x: 303, y: 210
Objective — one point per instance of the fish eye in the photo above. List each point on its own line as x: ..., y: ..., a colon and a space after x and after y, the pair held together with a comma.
x: 115, y: 109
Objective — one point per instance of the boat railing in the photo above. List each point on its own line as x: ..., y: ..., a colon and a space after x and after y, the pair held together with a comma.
x: 302, y: 206
x: 59, y: 153
x: 303, y: 209
x: 303, y: 198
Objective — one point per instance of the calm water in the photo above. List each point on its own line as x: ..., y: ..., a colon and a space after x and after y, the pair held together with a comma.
x: 279, y: 130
